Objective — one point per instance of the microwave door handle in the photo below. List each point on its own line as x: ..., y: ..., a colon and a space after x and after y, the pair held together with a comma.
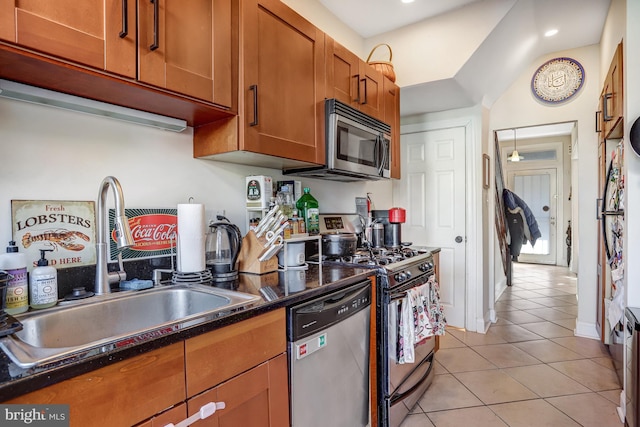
x: 381, y: 144
x: 377, y: 154
x: 386, y: 153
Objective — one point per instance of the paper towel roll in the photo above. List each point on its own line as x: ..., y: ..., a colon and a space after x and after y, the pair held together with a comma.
x: 191, y: 238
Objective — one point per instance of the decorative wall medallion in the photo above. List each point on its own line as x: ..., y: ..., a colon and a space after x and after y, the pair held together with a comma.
x: 557, y: 80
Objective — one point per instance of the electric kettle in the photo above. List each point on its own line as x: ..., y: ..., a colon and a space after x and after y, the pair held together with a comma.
x: 222, y: 245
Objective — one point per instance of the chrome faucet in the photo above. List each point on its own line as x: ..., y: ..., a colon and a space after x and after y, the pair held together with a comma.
x: 123, y: 236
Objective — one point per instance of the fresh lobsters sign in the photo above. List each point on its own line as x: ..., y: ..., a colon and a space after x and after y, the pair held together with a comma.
x: 65, y: 227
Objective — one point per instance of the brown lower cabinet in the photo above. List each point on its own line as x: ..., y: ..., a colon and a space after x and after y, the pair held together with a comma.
x: 243, y: 365
x: 121, y: 394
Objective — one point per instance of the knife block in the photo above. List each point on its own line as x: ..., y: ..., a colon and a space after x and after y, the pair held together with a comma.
x: 251, y: 249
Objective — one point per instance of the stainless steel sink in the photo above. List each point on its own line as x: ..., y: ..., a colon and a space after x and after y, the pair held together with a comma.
x: 54, y: 336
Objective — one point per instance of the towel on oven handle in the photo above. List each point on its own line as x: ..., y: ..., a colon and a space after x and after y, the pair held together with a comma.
x: 406, y: 331
x: 435, y: 309
x: 420, y: 317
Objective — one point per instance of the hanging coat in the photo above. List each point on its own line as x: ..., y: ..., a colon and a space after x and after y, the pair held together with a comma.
x: 513, y: 203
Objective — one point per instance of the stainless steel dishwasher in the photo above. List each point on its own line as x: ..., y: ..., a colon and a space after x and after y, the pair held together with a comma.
x: 329, y: 359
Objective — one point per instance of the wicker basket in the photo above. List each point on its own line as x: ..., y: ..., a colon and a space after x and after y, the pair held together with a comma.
x: 386, y: 67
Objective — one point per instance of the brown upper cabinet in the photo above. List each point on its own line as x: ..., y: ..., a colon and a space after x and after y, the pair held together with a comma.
x: 186, y: 47
x: 281, y: 101
x: 353, y: 81
x: 611, y: 100
x: 392, y: 117
x: 106, y: 50
x: 97, y: 33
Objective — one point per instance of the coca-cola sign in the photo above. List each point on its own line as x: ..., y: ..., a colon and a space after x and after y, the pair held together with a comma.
x: 154, y: 232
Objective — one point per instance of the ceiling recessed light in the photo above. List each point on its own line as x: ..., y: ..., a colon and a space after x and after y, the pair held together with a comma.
x: 551, y: 33
x: 407, y: 1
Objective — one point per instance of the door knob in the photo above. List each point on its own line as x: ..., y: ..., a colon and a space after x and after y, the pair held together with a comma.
x: 458, y: 239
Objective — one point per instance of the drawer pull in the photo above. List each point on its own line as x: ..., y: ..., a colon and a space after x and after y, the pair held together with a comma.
x: 205, y: 412
x: 125, y: 20
x: 156, y: 24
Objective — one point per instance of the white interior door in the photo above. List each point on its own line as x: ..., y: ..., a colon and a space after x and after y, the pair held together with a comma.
x: 432, y: 190
x: 538, y: 188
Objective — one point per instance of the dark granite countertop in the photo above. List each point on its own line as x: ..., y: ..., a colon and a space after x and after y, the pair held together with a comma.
x: 285, y: 289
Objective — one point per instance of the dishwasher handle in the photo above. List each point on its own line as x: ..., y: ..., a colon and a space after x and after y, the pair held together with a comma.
x: 327, y: 310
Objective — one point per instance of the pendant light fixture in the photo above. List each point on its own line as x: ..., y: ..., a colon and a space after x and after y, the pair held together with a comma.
x: 515, y: 157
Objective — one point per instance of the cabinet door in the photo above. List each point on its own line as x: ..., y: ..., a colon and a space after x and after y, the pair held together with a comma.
x: 88, y: 32
x: 186, y: 47
x: 214, y: 357
x: 256, y: 398
x: 342, y: 73
x: 283, y: 83
x: 613, y: 97
x: 370, y: 91
x: 124, y: 393
x: 392, y: 117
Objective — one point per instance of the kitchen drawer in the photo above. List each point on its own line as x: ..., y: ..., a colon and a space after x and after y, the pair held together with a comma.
x: 124, y: 393
x: 214, y: 357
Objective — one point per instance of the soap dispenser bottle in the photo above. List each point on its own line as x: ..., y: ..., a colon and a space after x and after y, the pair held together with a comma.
x: 43, y: 283
x: 15, y: 263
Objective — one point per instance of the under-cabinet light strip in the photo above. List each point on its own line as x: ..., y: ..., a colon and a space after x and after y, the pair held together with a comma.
x: 36, y: 95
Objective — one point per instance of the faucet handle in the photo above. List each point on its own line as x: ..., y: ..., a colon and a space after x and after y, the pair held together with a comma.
x: 120, y: 265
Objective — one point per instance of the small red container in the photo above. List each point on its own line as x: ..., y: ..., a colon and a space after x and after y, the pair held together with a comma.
x: 397, y: 215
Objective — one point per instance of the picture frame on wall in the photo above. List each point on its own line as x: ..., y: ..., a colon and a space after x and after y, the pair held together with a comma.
x: 486, y: 170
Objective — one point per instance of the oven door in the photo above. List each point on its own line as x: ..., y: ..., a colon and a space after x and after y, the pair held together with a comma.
x: 404, y: 383
x: 356, y: 148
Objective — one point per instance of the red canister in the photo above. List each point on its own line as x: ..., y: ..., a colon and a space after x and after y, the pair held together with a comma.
x: 397, y: 215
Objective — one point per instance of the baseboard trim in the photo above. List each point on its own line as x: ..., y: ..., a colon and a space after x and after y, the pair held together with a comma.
x: 482, y: 325
x: 586, y: 330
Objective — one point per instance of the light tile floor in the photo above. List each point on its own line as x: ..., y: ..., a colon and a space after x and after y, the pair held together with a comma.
x: 528, y: 370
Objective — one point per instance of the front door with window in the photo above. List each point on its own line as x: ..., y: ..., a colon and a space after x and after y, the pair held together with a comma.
x: 538, y: 188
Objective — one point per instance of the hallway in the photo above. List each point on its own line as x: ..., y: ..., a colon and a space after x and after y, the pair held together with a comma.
x: 528, y: 370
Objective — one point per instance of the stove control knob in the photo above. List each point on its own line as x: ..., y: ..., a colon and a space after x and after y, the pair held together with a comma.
x: 401, y: 277
x: 424, y: 267
x: 408, y: 275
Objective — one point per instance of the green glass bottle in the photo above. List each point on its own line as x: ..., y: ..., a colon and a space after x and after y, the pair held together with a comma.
x: 308, y: 210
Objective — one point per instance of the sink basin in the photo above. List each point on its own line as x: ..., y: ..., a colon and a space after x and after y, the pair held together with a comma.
x: 56, y: 335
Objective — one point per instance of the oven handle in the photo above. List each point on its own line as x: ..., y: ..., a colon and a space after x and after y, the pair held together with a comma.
x: 401, y: 396
x: 401, y: 291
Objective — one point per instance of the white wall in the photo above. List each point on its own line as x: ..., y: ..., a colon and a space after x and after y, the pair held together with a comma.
x: 437, y: 48
x: 314, y: 12
x: 518, y: 108
x: 53, y: 154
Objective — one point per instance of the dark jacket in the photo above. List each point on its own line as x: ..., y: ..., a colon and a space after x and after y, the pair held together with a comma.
x: 513, y: 203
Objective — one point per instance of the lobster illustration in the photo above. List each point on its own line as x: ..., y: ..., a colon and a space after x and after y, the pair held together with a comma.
x: 60, y: 237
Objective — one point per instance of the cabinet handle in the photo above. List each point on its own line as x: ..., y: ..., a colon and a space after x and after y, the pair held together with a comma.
x: 125, y: 20
x: 598, y: 129
x: 365, y: 91
x: 205, y: 411
x: 607, y: 97
x: 156, y: 30
x: 357, y: 79
x: 598, y: 216
x: 254, y: 89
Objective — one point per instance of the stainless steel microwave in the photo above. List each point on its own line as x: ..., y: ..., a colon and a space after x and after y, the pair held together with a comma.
x: 358, y: 146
